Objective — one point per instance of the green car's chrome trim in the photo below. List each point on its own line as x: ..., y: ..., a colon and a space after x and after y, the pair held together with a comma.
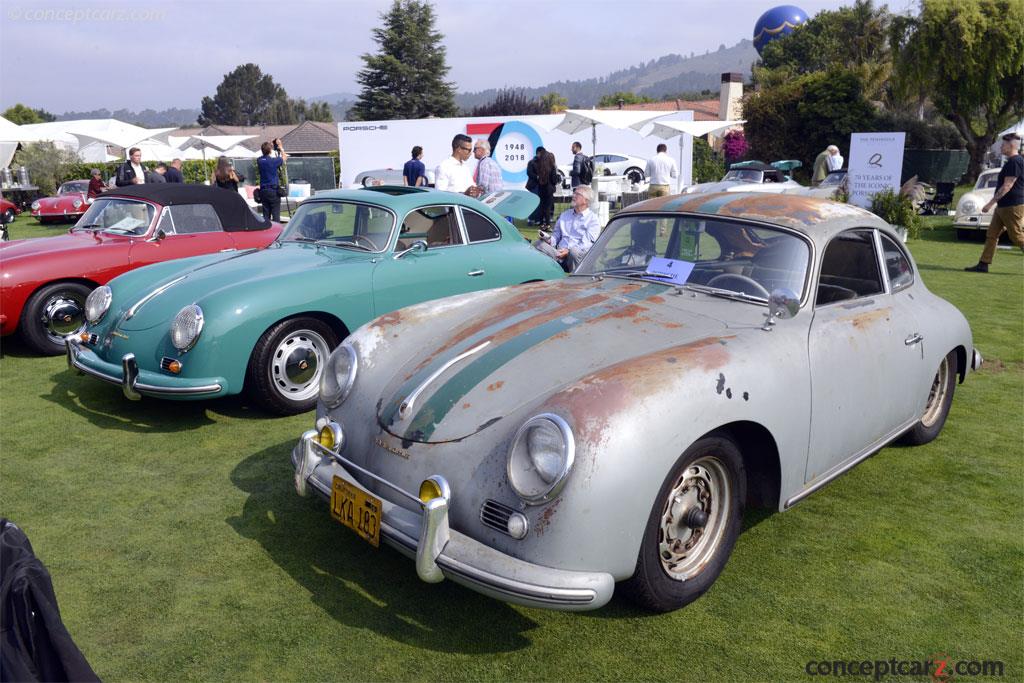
x: 84, y: 360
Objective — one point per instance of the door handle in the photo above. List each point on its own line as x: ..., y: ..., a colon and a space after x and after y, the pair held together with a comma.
x: 913, y: 339
x: 475, y: 273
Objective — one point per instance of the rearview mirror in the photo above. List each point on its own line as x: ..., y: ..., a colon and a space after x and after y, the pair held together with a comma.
x: 158, y: 235
x: 417, y: 247
x: 783, y: 304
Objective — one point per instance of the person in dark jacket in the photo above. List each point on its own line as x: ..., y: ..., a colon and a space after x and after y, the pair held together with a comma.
x: 173, y: 174
x: 131, y: 171
x: 225, y: 175
x: 532, y: 185
x: 269, y: 183
x: 546, y: 180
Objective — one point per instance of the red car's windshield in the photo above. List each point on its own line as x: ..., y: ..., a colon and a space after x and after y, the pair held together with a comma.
x: 118, y: 216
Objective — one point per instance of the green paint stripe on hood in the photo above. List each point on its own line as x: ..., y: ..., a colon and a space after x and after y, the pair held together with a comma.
x: 441, y: 401
x: 712, y: 206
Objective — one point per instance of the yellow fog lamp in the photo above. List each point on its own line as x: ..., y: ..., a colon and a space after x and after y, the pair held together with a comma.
x: 331, y: 437
x: 434, y: 487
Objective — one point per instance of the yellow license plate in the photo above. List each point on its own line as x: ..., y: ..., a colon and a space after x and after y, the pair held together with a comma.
x: 357, y: 510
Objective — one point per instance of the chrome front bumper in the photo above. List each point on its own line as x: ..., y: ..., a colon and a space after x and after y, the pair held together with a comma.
x: 441, y: 552
x: 128, y: 378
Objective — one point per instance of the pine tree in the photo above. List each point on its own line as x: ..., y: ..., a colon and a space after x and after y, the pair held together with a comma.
x: 247, y: 97
x: 405, y: 79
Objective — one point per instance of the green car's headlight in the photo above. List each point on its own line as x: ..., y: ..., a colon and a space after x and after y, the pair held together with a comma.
x: 339, y: 376
x: 541, y: 458
x: 186, y: 327
x: 97, y: 304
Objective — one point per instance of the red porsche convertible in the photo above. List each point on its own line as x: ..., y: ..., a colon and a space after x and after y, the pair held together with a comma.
x: 69, y: 204
x: 44, y: 282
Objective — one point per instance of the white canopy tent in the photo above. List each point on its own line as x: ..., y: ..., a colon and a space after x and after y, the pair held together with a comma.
x: 580, y: 119
x: 226, y: 145
x: 670, y: 129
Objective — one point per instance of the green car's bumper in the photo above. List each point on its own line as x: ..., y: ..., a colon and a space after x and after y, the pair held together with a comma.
x: 137, y: 383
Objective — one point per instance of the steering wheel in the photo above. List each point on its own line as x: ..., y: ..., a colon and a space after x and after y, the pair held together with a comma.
x: 746, y: 284
x: 355, y: 239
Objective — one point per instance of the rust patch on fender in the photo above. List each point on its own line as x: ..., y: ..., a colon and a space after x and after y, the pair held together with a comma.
x: 863, y: 321
x: 387, y: 320
x: 465, y: 406
x: 495, y: 386
x: 546, y: 517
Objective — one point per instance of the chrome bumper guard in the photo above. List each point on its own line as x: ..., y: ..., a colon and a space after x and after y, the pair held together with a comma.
x: 976, y: 360
x: 440, y: 552
x: 129, y: 379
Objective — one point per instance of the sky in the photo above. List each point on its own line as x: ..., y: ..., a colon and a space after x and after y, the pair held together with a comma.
x: 66, y: 55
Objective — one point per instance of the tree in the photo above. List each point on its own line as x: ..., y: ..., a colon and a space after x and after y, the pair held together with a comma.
x: 553, y: 103
x: 968, y: 57
x: 613, y: 100
x: 46, y: 164
x: 509, y: 102
x: 317, y: 111
x: 248, y: 97
x: 20, y: 114
x: 405, y: 79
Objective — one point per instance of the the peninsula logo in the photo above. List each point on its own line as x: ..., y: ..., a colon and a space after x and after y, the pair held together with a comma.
x: 393, y: 450
x: 372, y: 127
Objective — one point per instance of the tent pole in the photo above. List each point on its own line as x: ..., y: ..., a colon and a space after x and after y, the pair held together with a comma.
x: 593, y: 138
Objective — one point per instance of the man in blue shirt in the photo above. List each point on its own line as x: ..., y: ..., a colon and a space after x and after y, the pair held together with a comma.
x: 414, y: 172
x: 268, y: 165
x: 575, y: 231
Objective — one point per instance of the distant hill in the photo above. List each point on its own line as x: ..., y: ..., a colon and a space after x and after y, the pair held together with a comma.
x: 147, y: 118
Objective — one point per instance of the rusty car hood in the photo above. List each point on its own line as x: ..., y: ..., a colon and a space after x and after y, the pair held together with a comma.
x: 524, y: 344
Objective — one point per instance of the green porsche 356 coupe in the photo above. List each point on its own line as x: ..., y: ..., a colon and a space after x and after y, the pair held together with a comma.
x: 266, y: 320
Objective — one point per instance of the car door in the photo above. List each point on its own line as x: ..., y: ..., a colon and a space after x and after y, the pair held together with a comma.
x: 448, y: 265
x: 188, y: 230
x: 864, y: 355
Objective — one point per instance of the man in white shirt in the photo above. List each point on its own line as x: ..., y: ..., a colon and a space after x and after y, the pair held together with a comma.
x: 575, y: 232
x: 660, y: 172
x: 454, y: 174
x: 131, y: 171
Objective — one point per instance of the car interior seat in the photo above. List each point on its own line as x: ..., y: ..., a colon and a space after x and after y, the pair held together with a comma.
x: 314, y: 225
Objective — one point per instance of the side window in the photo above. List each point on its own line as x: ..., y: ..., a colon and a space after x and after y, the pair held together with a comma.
x: 901, y: 275
x: 615, y: 158
x: 478, y: 228
x: 849, y: 268
x: 437, y: 225
x: 194, y: 218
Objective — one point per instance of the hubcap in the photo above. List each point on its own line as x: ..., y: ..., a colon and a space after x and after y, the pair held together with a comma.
x: 63, y: 315
x: 296, y: 365
x: 937, y: 394
x: 694, y: 518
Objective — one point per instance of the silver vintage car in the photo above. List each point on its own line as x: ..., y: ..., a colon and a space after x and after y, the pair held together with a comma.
x: 545, y: 443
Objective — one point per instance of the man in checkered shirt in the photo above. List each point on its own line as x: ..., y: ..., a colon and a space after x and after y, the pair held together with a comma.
x: 488, y: 173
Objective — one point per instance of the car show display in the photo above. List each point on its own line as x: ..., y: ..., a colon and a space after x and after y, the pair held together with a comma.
x: 69, y: 204
x: 45, y: 281
x: 969, y: 216
x: 749, y: 176
x: 266, y: 321
x: 546, y: 443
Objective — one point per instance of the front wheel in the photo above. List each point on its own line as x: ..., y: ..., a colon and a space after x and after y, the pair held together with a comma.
x: 286, y: 364
x: 634, y: 175
x: 52, y: 313
x: 936, y: 409
x: 693, y: 526
x: 9, y: 216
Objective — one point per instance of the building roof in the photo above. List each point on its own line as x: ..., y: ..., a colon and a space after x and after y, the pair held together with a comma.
x: 703, y: 110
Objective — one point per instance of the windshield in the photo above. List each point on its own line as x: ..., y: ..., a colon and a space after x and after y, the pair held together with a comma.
x: 118, y: 216
x: 745, y: 175
x: 987, y: 181
x: 74, y: 187
x: 346, y: 224
x: 721, y: 257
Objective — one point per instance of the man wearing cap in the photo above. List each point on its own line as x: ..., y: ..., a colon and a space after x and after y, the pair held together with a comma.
x: 1009, y: 202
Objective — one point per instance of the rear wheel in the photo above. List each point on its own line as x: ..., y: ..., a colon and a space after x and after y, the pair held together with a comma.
x: 634, y: 175
x: 936, y: 409
x: 284, y: 370
x: 50, y: 314
x: 964, y: 234
x: 9, y: 216
x: 693, y: 526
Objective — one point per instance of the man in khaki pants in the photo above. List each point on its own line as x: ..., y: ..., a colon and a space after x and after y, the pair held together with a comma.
x: 1009, y: 202
x: 661, y: 170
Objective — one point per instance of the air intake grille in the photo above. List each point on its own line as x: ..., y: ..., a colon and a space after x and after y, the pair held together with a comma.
x: 495, y: 515
x: 165, y: 363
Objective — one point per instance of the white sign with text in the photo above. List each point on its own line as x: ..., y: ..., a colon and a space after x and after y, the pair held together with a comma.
x: 876, y: 163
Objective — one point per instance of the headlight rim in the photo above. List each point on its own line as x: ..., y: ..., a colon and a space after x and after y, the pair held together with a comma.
x: 98, y: 292
x: 569, y: 456
x: 968, y: 207
x: 200, y: 322
x: 331, y: 376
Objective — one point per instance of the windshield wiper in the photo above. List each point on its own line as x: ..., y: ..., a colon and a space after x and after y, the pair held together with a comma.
x: 300, y: 238
x: 726, y: 293
x: 354, y: 245
x: 88, y: 226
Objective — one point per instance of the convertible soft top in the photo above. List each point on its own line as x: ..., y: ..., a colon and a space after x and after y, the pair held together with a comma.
x: 235, y: 215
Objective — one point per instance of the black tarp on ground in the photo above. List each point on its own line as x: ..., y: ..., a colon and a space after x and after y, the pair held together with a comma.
x: 34, y: 645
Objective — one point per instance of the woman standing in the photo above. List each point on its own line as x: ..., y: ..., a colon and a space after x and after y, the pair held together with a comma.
x: 225, y: 175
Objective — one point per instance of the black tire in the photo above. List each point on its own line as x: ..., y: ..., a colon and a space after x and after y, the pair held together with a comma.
x: 713, y: 469
x: 634, y: 174
x: 283, y: 375
x: 936, y: 409
x: 561, y: 179
x: 9, y: 216
x: 965, y: 234
x: 69, y: 300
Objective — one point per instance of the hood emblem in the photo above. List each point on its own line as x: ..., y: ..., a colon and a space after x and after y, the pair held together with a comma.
x: 393, y: 450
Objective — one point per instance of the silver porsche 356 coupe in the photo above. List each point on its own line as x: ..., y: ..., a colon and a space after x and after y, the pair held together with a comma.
x: 542, y: 443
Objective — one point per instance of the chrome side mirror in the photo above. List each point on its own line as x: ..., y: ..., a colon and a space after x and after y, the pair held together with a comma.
x: 418, y: 247
x: 157, y: 236
x: 783, y: 304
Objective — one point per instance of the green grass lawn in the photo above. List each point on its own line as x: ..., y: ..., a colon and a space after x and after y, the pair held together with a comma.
x: 179, y: 550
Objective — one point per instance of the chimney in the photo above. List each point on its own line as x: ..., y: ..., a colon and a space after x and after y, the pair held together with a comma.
x: 730, y: 96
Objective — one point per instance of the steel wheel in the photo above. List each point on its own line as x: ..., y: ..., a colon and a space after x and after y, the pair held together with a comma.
x: 936, y: 407
x: 694, y: 517
x: 52, y: 313
x: 296, y: 364
x: 9, y: 216
x: 937, y: 394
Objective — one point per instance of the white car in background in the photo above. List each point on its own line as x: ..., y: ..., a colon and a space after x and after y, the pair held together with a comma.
x: 385, y: 176
x: 968, y: 210
x: 833, y: 182
x: 749, y: 176
x: 632, y: 167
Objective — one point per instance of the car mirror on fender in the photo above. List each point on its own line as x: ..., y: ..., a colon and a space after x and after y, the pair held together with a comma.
x: 417, y: 247
x: 157, y: 236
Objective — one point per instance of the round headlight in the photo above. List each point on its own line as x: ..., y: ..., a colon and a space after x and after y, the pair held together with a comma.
x: 35, y: 205
x: 97, y: 304
x: 968, y: 206
x: 77, y: 203
x: 186, y: 327
x: 336, y: 382
x: 541, y: 458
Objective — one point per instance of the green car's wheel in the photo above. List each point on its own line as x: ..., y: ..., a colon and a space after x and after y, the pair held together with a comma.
x: 284, y: 371
x: 50, y: 314
x: 694, y: 523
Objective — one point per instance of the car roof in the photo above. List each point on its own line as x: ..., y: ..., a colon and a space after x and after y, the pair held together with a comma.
x: 235, y: 215
x: 399, y: 197
x: 817, y: 218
